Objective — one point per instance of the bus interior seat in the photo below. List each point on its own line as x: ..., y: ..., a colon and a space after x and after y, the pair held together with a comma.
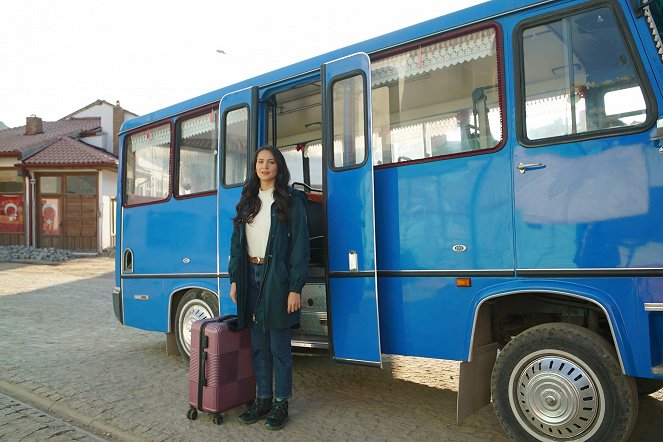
x: 316, y: 225
x: 316, y: 228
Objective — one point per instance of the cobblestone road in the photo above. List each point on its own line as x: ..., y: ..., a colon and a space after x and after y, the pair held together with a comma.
x: 21, y: 422
x: 63, y: 351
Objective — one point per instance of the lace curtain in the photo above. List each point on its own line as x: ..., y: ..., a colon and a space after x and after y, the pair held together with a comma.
x: 157, y: 136
x: 436, y: 56
x: 199, y: 125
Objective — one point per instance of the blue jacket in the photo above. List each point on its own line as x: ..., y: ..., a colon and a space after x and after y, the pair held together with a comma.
x: 286, y: 267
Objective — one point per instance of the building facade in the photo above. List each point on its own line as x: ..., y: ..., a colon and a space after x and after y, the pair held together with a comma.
x: 58, y: 180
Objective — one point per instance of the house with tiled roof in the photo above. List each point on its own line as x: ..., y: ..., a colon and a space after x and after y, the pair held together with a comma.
x: 58, y: 179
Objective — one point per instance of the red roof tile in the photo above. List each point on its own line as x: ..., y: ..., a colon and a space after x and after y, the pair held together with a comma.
x: 14, y: 141
x: 67, y: 152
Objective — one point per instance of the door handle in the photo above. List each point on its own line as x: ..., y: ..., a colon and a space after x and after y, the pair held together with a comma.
x: 353, y: 261
x: 522, y: 167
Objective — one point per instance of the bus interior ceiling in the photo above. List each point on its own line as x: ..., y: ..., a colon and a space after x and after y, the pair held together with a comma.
x: 298, y: 113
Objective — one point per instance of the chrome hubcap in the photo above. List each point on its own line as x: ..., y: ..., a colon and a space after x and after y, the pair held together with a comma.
x: 192, y: 313
x: 557, y: 397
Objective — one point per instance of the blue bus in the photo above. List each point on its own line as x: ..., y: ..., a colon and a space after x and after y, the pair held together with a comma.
x: 485, y: 187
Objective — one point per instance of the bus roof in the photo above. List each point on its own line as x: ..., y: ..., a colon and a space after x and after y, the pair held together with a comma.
x: 465, y: 17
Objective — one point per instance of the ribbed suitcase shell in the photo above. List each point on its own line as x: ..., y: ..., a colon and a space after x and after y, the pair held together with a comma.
x: 229, y: 381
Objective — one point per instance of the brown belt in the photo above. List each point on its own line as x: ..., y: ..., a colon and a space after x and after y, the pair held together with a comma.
x: 256, y: 260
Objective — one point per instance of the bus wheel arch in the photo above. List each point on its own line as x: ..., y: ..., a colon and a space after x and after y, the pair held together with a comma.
x: 190, y: 305
x: 545, y: 377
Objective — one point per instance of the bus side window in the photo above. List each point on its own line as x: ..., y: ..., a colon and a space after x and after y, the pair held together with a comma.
x: 147, y: 165
x: 349, y: 148
x: 196, y: 153
x: 579, y: 77
x: 438, y: 97
x: 236, y: 146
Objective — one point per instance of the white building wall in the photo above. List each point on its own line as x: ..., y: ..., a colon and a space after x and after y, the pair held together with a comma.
x: 107, y: 190
x: 105, y: 112
x: 96, y: 141
x: 8, y: 161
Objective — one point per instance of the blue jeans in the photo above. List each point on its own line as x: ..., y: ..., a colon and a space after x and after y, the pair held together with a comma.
x: 272, y: 353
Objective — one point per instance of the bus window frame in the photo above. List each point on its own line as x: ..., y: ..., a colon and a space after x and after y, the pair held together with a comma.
x: 222, y: 136
x: 501, y: 86
x: 367, y: 108
x: 636, y: 60
x: 168, y: 121
x: 176, y: 150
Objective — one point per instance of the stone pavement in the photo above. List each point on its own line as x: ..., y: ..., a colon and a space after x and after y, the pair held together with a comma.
x: 63, y: 351
x: 19, y: 422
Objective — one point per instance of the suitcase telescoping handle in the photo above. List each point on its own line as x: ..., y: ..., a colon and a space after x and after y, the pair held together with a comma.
x: 202, y: 356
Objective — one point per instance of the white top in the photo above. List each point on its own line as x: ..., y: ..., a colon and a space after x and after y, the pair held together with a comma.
x: 257, y: 232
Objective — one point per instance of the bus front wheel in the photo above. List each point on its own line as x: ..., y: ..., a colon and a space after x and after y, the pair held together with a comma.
x: 556, y: 382
x: 195, y: 305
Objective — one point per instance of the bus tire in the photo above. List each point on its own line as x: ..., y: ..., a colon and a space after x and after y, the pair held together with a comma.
x: 196, y: 304
x: 559, y: 381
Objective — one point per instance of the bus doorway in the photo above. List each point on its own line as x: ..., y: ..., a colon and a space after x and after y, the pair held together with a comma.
x: 294, y: 126
x: 322, y: 128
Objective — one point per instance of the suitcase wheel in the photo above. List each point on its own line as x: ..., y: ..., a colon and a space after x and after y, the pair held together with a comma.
x: 217, y: 419
x: 192, y: 414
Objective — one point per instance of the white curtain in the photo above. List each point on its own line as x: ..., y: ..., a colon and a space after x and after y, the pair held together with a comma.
x: 150, y: 138
x: 237, y: 116
x: 198, y: 125
x: 432, y: 57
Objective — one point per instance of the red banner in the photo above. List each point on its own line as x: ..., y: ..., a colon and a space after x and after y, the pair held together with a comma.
x: 50, y: 216
x: 11, y: 213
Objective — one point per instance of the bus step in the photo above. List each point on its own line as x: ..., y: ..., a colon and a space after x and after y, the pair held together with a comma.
x: 309, y: 341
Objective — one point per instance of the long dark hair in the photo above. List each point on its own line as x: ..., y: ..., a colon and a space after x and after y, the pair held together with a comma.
x: 249, y: 204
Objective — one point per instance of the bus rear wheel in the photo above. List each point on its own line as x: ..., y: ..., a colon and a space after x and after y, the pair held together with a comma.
x: 559, y: 382
x: 195, y: 305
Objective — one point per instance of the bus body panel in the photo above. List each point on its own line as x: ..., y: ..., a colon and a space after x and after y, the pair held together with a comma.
x: 432, y: 317
x: 150, y: 307
x: 176, y: 236
x: 428, y: 316
x: 226, y: 214
x: 595, y: 204
x: 145, y: 304
x: 650, y: 322
x: 347, y: 196
x: 355, y: 322
x: 446, y: 215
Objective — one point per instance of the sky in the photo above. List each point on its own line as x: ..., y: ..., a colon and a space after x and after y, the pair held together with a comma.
x: 59, y: 56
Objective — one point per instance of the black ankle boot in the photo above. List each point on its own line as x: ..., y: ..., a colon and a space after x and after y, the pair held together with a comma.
x: 258, y: 409
x: 278, y: 415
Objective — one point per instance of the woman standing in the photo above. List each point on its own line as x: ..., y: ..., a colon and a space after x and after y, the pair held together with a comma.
x: 269, y: 255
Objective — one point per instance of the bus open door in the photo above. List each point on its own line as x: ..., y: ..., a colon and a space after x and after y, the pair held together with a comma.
x: 354, y: 330
x: 238, y: 141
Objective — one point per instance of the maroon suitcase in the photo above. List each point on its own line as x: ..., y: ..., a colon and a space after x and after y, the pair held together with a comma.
x: 220, y: 370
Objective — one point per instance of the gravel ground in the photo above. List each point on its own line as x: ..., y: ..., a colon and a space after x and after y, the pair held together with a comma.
x: 24, y: 253
x: 37, y: 255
